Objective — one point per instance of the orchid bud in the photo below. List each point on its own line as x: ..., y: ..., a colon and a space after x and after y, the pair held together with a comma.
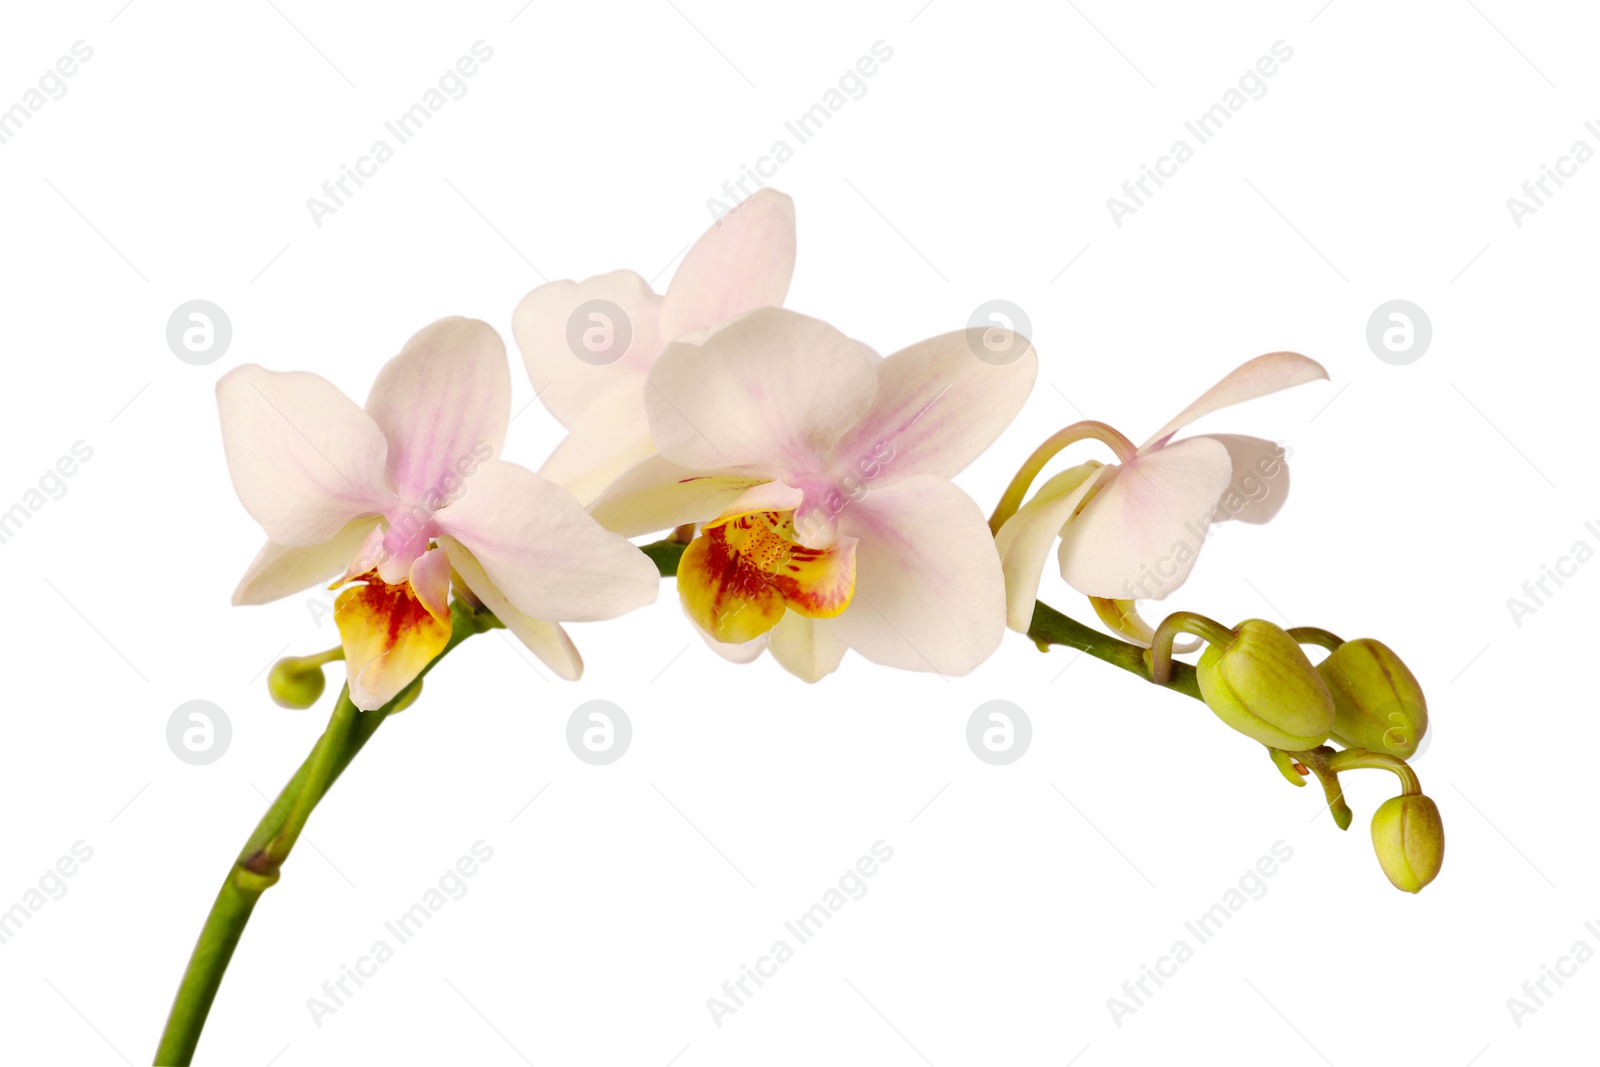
x: 407, y: 697
x: 1262, y: 685
x: 1408, y: 835
x: 1378, y: 703
x: 297, y: 681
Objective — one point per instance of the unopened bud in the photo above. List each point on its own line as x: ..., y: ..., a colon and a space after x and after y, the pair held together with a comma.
x: 1378, y: 703
x: 297, y: 681
x: 1262, y: 685
x: 1408, y: 835
x: 407, y: 697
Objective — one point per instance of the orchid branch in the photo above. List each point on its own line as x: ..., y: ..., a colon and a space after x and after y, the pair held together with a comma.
x: 257, y: 868
x: 1049, y: 627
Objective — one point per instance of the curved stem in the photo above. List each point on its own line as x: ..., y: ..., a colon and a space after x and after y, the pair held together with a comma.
x: 1078, y: 431
x: 1315, y: 635
x: 1351, y: 759
x: 1317, y: 761
x: 1181, y: 622
x: 257, y: 868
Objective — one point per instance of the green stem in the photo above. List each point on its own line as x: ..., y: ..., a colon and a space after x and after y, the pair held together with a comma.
x: 1315, y: 635
x: 257, y: 868
x: 1050, y: 627
x: 1351, y: 759
x: 1320, y: 763
x: 1182, y: 622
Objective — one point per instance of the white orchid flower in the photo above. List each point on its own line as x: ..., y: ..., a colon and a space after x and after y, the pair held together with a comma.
x: 588, y: 345
x: 1131, y: 530
x: 820, y: 475
x: 395, y: 497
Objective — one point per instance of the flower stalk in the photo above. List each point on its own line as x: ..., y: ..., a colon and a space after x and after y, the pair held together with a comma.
x: 258, y: 866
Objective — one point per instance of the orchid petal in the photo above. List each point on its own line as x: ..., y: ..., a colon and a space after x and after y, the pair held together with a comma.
x: 278, y: 572
x: 1138, y: 536
x: 543, y: 551
x: 430, y: 582
x: 443, y: 403
x: 569, y: 340
x: 930, y: 595
x: 612, y: 436
x: 1260, y: 479
x: 806, y: 648
x: 1253, y: 378
x: 743, y: 262
x: 768, y: 393
x: 305, y: 459
x: 657, y: 495
x: 1025, y: 539
x: 938, y: 406
x: 547, y: 640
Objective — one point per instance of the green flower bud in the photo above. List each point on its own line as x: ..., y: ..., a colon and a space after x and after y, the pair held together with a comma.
x: 1408, y: 835
x: 407, y: 697
x: 1262, y: 685
x: 1378, y: 703
x: 297, y: 681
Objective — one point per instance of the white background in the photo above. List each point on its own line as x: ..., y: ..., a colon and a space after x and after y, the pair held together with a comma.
x: 977, y: 165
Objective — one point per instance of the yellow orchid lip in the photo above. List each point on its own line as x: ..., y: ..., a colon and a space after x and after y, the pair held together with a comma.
x: 390, y: 632
x: 739, y: 576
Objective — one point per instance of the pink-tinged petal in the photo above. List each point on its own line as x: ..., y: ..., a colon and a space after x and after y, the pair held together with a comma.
x: 443, y: 403
x: 278, y: 572
x: 742, y: 263
x: 369, y: 556
x: 1025, y: 540
x: 1138, y: 536
x: 1256, y: 377
x: 805, y: 648
x: 577, y: 347
x: 305, y: 460
x: 657, y: 495
x: 612, y: 436
x: 547, y: 640
x: 1260, y: 479
x: 767, y: 496
x: 766, y: 394
x: 938, y: 406
x: 930, y: 595
x: 430, y: 583
x: 543, y: 551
